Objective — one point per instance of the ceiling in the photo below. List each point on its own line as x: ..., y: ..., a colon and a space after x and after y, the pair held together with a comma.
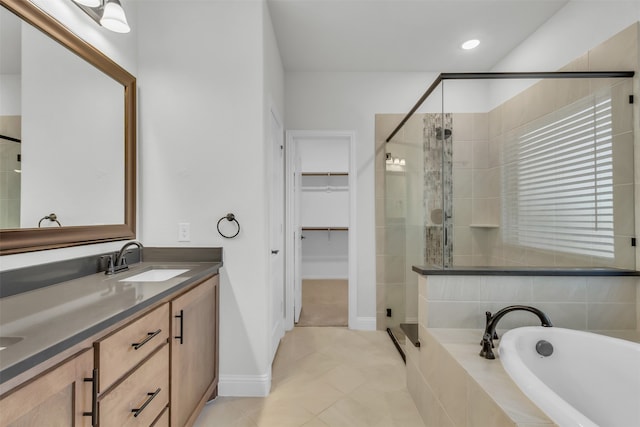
x: 402, y: 35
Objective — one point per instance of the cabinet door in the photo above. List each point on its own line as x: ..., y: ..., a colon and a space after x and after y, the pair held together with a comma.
x: 193, y: 351
x: 59, y: 397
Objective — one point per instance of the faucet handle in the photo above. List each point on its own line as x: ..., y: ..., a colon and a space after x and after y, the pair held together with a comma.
x: 110, y: 264
x: 488, y: 316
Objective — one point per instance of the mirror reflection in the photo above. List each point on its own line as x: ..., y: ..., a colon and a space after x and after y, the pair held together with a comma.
x: 62, y: 122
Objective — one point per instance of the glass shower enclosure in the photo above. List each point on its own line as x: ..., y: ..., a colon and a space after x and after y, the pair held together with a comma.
x: 503, y: 170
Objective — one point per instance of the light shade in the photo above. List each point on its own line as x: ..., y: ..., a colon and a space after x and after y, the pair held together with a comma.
x: 470, y: 44
x: 113, y: 17
x: 89, y: 3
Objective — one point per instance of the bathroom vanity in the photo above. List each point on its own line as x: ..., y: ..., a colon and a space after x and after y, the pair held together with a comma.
x: 134, y: 348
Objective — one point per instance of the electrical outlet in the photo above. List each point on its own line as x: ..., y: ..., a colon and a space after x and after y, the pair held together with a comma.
x: 184, y: 232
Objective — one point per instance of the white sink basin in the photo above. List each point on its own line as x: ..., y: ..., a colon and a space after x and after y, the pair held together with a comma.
x: 156, y: 275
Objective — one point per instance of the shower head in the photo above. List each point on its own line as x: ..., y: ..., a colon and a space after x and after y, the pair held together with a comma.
x: 439, y: 133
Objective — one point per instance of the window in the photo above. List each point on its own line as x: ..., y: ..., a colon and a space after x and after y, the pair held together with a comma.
x: 558, y: 181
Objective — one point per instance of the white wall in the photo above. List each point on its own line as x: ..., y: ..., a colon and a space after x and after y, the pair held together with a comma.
x: 10, y: 105
x: 574, y: 30
x: 204, y: 76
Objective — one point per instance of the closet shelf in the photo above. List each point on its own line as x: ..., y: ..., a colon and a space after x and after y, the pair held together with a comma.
x: 325, y: 174
x: 325, y: 228
x: 324, y: 189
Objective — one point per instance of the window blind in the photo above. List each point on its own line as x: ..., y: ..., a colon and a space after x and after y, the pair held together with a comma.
x: 558, y: 181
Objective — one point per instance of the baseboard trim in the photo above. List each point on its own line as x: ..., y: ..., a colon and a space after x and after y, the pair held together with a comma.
x: 363, y: 323
x: 244, y: 385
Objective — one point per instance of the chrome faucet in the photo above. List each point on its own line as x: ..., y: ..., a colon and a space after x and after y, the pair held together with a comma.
x: 492, y: 322
x: 120, y: 263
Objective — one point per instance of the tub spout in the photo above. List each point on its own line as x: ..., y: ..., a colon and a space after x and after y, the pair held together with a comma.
x: 492, y: 321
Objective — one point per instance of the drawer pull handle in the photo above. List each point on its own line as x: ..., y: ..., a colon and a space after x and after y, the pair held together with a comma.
x: 150, y: 335
x: 181, y: 317
x: 94, y: 398
x: 144, y: 405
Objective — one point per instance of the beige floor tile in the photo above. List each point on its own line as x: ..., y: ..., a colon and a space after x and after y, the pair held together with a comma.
x: 224, y: 411
x: 348, y: 412
x: 316, y: 422
x: 280, y: 413
x: 242, y: 422
x: 326, y: 377
x: 345, y: 378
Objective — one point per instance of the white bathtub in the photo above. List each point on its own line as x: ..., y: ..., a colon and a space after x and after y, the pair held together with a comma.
x: 589, y: 380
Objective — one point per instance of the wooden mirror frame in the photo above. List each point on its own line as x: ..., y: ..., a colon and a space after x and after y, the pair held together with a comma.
x: 14, y: 241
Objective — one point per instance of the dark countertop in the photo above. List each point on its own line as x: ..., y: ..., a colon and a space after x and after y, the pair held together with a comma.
x: 522, y: 271
x: 53, y: 318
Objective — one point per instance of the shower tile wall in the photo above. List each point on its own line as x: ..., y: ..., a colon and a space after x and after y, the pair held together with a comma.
x: 477, y: 162
x: 476, y: 184
x: 619, y: 53
x: 437, y: 189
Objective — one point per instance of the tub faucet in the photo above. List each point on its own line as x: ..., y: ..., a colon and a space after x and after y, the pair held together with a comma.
x: 492, y: 322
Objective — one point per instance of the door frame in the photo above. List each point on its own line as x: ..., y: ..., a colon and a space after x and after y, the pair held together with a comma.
x: 278, y: 323
x: 292, y: 137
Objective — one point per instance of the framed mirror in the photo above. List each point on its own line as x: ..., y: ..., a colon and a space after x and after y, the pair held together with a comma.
x: 75, y: 122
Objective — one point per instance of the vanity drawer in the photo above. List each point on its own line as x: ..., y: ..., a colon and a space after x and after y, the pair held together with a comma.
x: 162, y: 420
x: 141, y: 397
x: 122, y: 350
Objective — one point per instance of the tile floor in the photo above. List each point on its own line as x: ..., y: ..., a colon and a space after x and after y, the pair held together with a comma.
x: 326, y: 376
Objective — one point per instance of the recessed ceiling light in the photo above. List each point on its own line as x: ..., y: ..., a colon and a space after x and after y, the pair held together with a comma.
x: 470, y: 44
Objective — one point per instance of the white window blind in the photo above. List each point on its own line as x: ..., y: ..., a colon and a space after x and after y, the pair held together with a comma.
x: 558, y: 181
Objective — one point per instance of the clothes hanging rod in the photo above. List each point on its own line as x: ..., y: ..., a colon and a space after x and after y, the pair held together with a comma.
x: 509, y: 75
x: 10, y: 138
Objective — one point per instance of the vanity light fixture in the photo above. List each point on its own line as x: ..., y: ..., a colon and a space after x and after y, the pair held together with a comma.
x: 470, y: 44
x: 107, y: 13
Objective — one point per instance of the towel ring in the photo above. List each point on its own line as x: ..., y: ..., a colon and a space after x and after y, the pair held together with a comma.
x: 230, y: 217
x: 51, y: 217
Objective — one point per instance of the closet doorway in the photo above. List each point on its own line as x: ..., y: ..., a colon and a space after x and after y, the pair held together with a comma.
x: 320, y: 238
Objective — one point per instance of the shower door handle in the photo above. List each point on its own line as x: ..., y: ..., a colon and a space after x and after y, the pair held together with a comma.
x: 275, y: 251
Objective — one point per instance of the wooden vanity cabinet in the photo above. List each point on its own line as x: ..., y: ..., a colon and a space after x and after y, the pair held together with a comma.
x: 194, y: 351
x: 60, y: 397
x: 159, y: 369
x: 133, y: 368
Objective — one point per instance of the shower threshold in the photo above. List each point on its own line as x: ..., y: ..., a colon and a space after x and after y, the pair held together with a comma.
x: 411, y: 332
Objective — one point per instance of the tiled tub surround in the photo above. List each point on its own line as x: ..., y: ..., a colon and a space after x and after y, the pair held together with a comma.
x: 453, y: 386
x: 573, y: 302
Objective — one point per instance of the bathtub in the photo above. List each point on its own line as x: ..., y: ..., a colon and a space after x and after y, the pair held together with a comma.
x: 589, y: 380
